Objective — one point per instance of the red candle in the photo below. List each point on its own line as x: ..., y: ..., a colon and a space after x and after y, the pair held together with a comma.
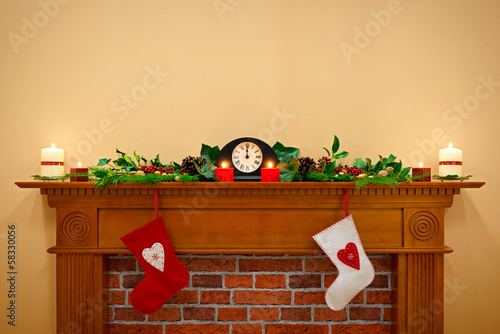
x: 79, y: 174
x: 421, y: 174
x: 224, y: 174
x: 270, y: 174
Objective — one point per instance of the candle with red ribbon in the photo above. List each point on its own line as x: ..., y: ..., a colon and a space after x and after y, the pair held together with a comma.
x: 270, y: 174
x: 79, y: 174
x: 224, y: 174
x: 450, y: 161
x: 52, y: 162
x: 421, y: 174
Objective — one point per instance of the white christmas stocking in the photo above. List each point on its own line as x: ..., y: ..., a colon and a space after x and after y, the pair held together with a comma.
x: 342, y: 245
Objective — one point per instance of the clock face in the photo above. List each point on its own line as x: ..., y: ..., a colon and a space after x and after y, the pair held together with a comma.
x: 247, y: 157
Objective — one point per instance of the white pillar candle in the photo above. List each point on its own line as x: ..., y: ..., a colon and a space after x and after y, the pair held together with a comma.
x: 52, y: 162
x: 450, y: 161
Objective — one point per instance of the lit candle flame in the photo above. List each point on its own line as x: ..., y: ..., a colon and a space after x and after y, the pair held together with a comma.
x: 223, y: 165
x: 421, y: 165
x: 53, y: 145
x: 450, y: 145
x: 270, y: 165
x: 79, y: 165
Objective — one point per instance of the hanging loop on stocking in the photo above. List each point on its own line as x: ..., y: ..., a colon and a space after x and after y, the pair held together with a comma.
x: 346, y: 201
x: 156, y: 202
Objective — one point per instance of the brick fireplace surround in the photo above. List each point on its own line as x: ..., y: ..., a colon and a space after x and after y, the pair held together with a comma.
x: 252, y: 294
x: 253, y: 263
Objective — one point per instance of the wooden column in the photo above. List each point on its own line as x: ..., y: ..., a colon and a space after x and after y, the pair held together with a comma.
x: 406, y: 221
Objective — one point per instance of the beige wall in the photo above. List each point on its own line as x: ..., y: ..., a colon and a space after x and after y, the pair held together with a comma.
x: 414, y: 83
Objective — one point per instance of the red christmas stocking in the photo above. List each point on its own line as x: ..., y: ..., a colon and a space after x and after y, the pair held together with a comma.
x: 165, y: 274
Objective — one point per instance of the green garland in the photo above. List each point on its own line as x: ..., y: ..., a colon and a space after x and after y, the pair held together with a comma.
x: 385, y: 171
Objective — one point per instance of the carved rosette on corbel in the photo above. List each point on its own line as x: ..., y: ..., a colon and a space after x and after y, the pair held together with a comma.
x: 77, y: 228
x: 424, y: 228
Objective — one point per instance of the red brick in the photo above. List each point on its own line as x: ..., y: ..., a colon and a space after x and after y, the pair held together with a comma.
x: 129, y: 314
x: 270, y: 281
x: 247, y: 329
x: 388, y: 313
x: 304, y: 281
x: 296, y: 329
x: 183, y: 297
x: 199, y: 313
x: 379, y: 297
x: 383, y: 264
x: 131, y: 281
x: 116, y: 297
x: 215, y: 297
x: 134, y: 329
x: 264, y: 314
x: 320, y: 265
x: 380, y: 281
x: 209, y: 264
x: 247, y: 265
x: 122, y: 265
x: 329, y: 279
x: 238, y: 281
x: 325, y: 314
x: 309, y: 297
x: 207, y: 281
x: 362, y: 329
x: 296, y: 313
x: 358, y: 299
x: 196, y: 329
x: 262, y: 297
x: 364, y: 313
x: 113, y: 281
x: 166, y: 314
x: 232, y: 314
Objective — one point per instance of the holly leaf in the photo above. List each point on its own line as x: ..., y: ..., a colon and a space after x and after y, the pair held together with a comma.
x: 103, y: 162
x: 330, y: 168
x: 336, y: 145
x: 341, y: 155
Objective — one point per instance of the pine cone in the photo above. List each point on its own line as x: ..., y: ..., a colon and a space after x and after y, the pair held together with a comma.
x: 188, y: 164
x: 306, y: 165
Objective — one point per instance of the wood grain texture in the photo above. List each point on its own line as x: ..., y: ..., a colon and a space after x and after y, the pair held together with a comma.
x: 246, y: 218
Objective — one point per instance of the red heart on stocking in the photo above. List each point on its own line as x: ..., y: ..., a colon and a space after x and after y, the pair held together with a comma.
x: 349, y: 255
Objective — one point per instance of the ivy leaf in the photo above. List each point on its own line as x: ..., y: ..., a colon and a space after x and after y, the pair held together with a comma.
x: 336, y: 145
x: 294, y: 164
x: 208, y: 171
x: 285, y: 154
x: 209, y: 153
x: 359, y: 163
x: 214, y: 153
x: 103, y: 162
x: 286, y: 175
x: 283, y: 165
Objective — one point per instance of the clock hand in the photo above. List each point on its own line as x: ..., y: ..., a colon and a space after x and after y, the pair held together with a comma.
x: 247, y: 156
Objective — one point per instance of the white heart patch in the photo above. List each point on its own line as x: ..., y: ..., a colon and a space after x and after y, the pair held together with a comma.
x: 154, y: 256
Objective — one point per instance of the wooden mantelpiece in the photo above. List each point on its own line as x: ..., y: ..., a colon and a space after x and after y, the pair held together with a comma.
x: 252, y: 217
